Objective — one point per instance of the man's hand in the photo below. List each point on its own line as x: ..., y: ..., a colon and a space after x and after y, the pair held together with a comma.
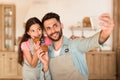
x: 106, y: 27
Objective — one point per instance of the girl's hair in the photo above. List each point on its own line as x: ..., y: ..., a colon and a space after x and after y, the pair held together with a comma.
x: 25, y: 37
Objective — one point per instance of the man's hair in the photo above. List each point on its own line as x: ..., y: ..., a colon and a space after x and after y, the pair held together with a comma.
x: 49, y: 16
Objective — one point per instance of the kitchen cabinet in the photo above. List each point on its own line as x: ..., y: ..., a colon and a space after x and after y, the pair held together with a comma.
x: 101, y: 65
x: 7, y: 27
x: 93, y: 61
x: 9, y: 67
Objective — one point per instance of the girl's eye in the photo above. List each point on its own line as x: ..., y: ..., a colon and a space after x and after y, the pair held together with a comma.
x: 39, y: 29
x: 32, y: 30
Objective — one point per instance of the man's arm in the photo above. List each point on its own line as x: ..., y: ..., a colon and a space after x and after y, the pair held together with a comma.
x: 107, y: 27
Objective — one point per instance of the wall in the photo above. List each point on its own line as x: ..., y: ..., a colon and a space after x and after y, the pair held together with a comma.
x: 71, y: 12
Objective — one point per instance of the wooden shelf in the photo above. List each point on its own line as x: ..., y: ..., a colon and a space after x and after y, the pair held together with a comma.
x: 81, y: 28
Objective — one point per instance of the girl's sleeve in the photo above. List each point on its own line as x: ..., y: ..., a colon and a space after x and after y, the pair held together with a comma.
x: 25, y: 46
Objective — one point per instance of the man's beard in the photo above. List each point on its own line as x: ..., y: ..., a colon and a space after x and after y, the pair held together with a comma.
x: 60, y: 35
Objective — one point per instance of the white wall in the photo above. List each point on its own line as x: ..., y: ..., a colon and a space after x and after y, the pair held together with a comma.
x: 71, y: 12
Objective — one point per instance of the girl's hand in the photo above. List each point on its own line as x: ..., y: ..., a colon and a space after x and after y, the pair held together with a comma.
x: 43, y: 56
x: 36, y: 46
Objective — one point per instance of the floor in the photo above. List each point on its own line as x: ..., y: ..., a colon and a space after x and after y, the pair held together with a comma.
x: 10, y: 79
x: 102, y: 79
x: 89, y: 79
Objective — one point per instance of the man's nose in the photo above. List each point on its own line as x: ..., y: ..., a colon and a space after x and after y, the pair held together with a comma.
x: 52, y: 29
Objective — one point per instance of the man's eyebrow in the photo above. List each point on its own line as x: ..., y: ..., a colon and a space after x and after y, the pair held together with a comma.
x: 55, y: 24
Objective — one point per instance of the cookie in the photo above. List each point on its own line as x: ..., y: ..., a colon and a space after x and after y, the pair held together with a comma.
x: 35, y: 40
x: 44, y: 48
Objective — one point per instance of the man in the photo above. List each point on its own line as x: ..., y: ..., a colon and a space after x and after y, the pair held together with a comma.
x: 67, y: 57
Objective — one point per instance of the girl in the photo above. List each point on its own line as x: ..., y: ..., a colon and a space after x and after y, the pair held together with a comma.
x: 33, y: 68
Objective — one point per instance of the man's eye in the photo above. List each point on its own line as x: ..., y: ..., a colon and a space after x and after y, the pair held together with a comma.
x: 55, y: 26
x: 48, y: 28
